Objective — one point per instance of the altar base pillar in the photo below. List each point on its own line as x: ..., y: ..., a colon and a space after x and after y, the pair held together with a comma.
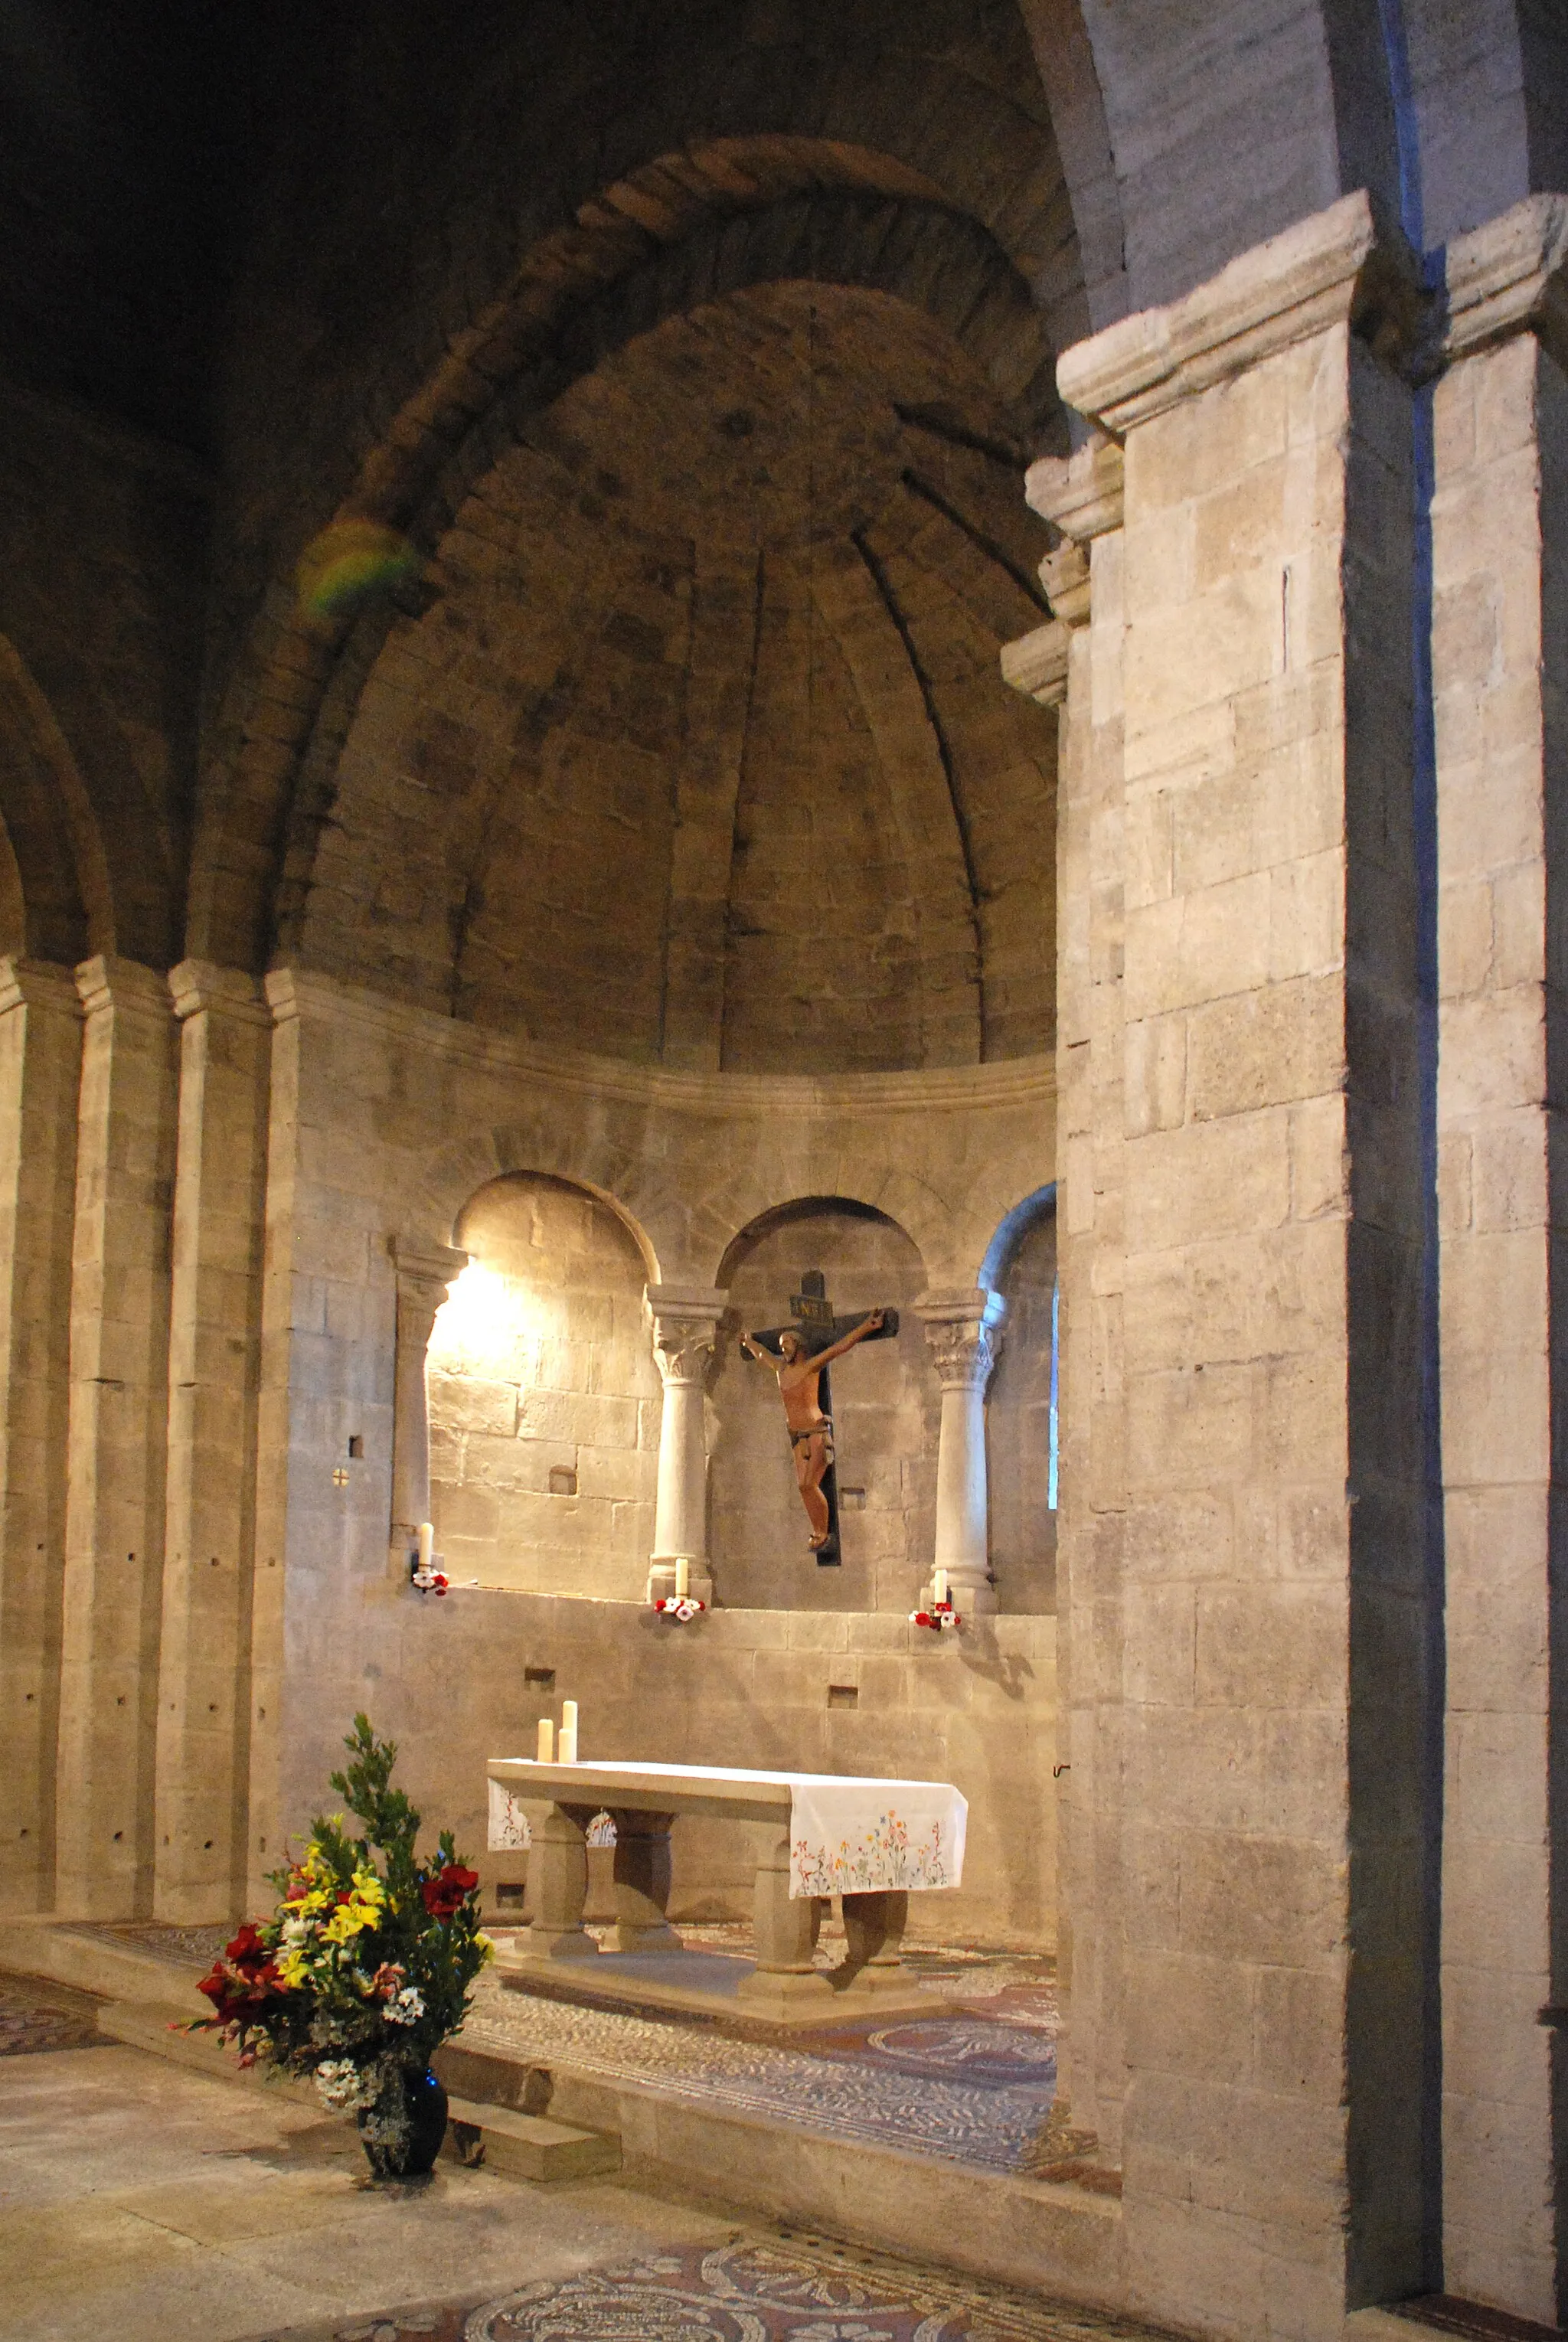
x: 558, y: 1876
x: 787, y: 1928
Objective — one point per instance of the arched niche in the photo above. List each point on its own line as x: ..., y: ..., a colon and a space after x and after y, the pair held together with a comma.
x: 1021, y: 1266
x: 886, y: 1409
x: 543, y: 1397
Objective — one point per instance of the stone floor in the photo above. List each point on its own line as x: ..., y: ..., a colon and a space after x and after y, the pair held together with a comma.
x: 972, y: 2083
x: 148, y: 2204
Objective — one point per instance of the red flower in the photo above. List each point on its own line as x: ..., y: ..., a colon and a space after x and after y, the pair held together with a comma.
x: 446, y: 1895
x: 242, y: 1983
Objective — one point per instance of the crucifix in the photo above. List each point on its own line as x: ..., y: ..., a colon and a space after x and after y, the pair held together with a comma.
x: 799, y: 1355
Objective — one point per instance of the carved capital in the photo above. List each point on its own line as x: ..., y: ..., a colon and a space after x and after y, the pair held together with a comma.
x: 685, y: 1321
x: 1080, y: 495
x: 424, y: 1272
x: 964, y: 1331
x: 200, y: 985
x: 38, y: 983
x: 1036, y: 665
x: 1342, y: 266
x: 1510, y: 276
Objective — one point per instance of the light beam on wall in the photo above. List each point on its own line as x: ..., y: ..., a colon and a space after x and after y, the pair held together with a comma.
x: 491, y: 1325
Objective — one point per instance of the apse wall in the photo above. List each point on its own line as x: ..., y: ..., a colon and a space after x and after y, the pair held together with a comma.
x: 886, y: 1403
x: 392, y: 1125
x: 543, y: 1397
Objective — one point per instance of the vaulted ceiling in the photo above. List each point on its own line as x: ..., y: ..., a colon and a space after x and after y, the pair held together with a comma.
x: 701, y: 753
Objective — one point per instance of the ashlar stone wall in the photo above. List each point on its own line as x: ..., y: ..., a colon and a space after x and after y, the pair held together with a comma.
x: 543, y: 1397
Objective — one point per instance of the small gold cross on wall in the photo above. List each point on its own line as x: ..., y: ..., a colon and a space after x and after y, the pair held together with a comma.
x: 340, y: 1475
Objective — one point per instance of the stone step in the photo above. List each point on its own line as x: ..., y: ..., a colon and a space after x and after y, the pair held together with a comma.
x: 146, y: 2025
x: 527, y: 2147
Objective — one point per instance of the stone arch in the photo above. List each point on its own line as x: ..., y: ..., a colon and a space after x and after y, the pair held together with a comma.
x: 885, y: 1409
x: 55, y: 891
x: 751, y: 1201
x: 543, y: 1392
x: 686, y: 227
x: 545, y: 1148
x: 1013, y: 1227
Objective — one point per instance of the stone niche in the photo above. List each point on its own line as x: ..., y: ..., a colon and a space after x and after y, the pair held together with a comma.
x: 886, y: 1403
x: 1018, y: 1428
x: 544, y: 1398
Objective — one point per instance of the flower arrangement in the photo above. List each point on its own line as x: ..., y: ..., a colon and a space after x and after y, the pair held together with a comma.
x: 367, y: 1966
x: 942, y: 1617
x: 681, y: 1607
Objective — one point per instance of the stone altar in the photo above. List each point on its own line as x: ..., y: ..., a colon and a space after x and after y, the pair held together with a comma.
x: 783, y: 1984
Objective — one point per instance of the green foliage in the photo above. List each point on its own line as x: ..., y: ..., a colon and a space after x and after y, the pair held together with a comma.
x: 372, y: 1953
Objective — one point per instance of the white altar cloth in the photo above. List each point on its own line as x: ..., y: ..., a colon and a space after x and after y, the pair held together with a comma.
x: 849, y: 1834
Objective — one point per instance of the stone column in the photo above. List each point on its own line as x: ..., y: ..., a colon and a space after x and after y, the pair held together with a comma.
x: 1499, y: 655
x: 40, y: 1078
x: 214, y: 1341
x: 1075, y: 663
x: 117, y: 1444
x: 1248, y: 1181
x: 965, y: 1333
x: 424, y: 1272
x: 685, y: 1323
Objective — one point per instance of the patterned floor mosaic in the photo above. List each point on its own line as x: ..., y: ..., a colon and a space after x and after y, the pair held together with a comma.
x: 749, y: 2290
x: 973, y: 2086
x: 36, y: 2016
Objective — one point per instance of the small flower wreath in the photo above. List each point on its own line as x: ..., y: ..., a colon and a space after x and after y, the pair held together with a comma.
x: 941, y: 1617
x: 681, y: 1607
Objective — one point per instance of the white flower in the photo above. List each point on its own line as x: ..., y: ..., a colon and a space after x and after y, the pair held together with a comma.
x: 407, y: 2008
x: 343, y: 2084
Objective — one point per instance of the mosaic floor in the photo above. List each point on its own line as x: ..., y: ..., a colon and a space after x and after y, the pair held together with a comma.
x: 747, y: 2290
x: 970, y: 2085
x: 34, y: 2017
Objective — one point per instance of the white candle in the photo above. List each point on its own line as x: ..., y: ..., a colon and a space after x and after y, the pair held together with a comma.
x: 546, y: 1755
x: 939, y: 1586
x: 426, y: 1543
x: 568, y: 1732
x: 683, y: 1577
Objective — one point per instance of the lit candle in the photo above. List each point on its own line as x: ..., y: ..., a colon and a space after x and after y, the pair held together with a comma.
x: 568, y: 1732
x: 939, y: 1587
x: 426, y: 1543
x: 546, y: 1741
x: 683, y: 1577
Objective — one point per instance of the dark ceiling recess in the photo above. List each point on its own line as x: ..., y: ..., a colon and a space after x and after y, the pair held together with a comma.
x: 128, y: 131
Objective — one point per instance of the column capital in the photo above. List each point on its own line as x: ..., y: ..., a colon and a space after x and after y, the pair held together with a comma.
x: 106, y: 982
x: 37, y: 984
x: 964, y: 1331
x: 1510, y: 276
x: 1082, y: 496
x: 1036, y: 664
x: 425, y: 1270
x: 684, y: 1320
x: 1341, y: 266
x: 200, y: 983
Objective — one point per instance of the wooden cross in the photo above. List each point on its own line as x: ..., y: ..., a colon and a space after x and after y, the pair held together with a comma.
x: 817, y: 1325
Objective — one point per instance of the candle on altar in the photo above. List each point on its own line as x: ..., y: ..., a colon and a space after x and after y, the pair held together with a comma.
x: 939, y: 1587
x: 568, y: 1732
x: 426, y: 1543
x: 683, y: 1577
x: 546, y: 1751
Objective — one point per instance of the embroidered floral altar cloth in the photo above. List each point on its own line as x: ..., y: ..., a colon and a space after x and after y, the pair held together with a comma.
x: 849, y: 1834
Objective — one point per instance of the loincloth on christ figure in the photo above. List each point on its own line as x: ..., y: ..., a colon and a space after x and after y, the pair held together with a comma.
x: 823, y: 1430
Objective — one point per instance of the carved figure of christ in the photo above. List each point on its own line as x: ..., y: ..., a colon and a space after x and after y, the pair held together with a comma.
x: 801, y: 1365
